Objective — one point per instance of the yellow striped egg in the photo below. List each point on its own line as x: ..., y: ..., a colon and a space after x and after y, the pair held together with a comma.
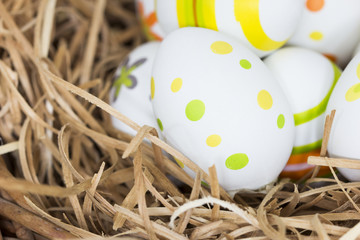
x: 263, y: 25
x: 219, y: 104
x: 345, y: 130
x: 307, y: 78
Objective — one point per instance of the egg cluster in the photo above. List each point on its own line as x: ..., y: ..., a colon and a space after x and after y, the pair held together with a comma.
x: 212, y: 97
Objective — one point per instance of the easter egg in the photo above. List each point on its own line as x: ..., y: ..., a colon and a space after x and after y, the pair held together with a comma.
x: 307, y: 79
x: 146, y: 12
x: 130, y: 94
x: 219, y: 104
x: 345, y: 130
x: 263, y: 26
x: 330, y: 27
x: 357, y: 49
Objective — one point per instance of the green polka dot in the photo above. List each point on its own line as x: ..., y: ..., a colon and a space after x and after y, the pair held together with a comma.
x: 195, y: 110
x: 245, y: 64
x: 280, y: 121
x: 160, y: 124
x: 237, y: 161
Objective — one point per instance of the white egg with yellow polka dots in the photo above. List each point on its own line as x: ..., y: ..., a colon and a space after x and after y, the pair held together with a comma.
x: 262, y: 25
x: 218, y: 103
x: 130, y: 94
x: 331, y: 27
x: 345, y: 130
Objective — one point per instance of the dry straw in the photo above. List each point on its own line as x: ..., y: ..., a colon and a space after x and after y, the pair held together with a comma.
x: 65, y: 172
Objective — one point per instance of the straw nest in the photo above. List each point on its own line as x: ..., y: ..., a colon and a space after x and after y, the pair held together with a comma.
x: 66, y: 172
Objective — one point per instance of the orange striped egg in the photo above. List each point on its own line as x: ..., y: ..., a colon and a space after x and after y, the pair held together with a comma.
x: 307, y: 78
x: 146, y: 13
x: 263, y: 25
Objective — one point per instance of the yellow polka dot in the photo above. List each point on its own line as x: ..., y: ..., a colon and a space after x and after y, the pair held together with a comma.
x: 180, y: 163
x: 213, y: 140
x: 221, y: 47
x: 152, y: 88
x: 176, y: 85
x: 264, y: 100
x: 358, y: 71
x: 353, y: 93
x: 316, y: 36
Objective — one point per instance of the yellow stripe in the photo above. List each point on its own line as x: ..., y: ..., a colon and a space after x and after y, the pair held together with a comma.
x: 180, y: 9
x: 208, y: 12
x: 185, y: 13
x: 247, y: 14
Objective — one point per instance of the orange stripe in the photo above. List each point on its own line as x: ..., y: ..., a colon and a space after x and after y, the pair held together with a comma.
x: 194, y: 11
x: 301, y: 159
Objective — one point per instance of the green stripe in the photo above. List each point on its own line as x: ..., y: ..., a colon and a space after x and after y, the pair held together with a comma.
x: 199, y: 13
x: 316, y: 111
x: 306, y: 148
x: 189, y: 13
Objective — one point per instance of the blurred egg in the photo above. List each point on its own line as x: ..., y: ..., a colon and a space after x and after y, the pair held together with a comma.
x: 331, y: 27
x: 263, y: 26
x: 219, y: 104
x: 345, y: 130
x: 130, y: 94
x: 307, y: 79
x: 357, y: 49
x: 146, y: 12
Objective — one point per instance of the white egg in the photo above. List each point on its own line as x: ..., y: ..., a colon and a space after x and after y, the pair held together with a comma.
x: 130, y: 94
x: 331, y: 27
x: 307, y: 79
x: 146, y: 12
x: 345, y: 131
x: 357, y: 49
x: 263, y: 26
x: 219, y: 104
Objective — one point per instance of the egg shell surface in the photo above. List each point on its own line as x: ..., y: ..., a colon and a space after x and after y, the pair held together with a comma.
x: 330, y: 27
x: 345, y: 131
x: 357, y: 49
x: 262, y: 25
x: 307, y: 79
x: 219, y: 104
x: 130, y: 94
x: 146, y: 12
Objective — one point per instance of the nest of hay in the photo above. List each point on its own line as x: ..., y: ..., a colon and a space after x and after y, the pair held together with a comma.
x: 66, y: 172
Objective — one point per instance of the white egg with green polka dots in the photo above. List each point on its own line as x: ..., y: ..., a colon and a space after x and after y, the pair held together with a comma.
x: 217, y: 103
x: 130, y: 93
x: 345, y: 130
